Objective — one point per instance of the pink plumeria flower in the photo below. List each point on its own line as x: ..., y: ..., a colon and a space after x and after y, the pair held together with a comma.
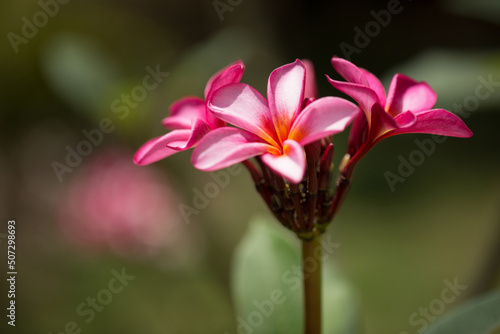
x: 190, y: 119
x: 276, y: 129
x: 406, y: 109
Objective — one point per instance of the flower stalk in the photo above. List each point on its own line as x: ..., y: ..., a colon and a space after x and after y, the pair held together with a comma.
x: 311, y: 253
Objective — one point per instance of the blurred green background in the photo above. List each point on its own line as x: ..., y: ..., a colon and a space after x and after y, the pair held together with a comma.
x: 63, y: 76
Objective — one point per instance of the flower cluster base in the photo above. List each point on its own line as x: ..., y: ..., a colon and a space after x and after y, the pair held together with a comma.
x: 306, y: 207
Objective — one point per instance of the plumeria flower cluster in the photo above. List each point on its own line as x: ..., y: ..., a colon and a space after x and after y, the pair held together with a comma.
x: 285, y: 141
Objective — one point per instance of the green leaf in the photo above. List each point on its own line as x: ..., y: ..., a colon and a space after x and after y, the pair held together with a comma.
x: 340, y: 308
x: 480, y: 316
x: 267, y: 286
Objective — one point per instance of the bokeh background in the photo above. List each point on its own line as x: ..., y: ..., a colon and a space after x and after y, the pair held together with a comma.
x: 102, y: 213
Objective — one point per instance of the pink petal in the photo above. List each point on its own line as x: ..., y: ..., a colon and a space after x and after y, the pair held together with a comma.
x: 349, y: 71
x: 376, y: 85
x: 183, y: 111
x: 285, y: 92
x: 358, y: 134
x: 357, y: 78
x: 155, y: 149
x: 363, y: 95
x: 199, y: 129
x: 322, y: 118
x: 291, y: 165
x: 407, y: 94
x: 213, y: 121
x: 380, y: 123
x: 438, y: 122
x: 228, y: 75
x: 242, y: 106
x: 227, y: 146
x: 405, y: 119
x: 311, y: 89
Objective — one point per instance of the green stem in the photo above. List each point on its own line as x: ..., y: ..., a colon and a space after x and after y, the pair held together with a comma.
x: 311, y: 268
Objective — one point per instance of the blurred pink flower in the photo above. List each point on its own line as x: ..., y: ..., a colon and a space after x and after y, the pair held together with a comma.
x: 189, y: 118
x: 276, y: 128
x: 112, y: 204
